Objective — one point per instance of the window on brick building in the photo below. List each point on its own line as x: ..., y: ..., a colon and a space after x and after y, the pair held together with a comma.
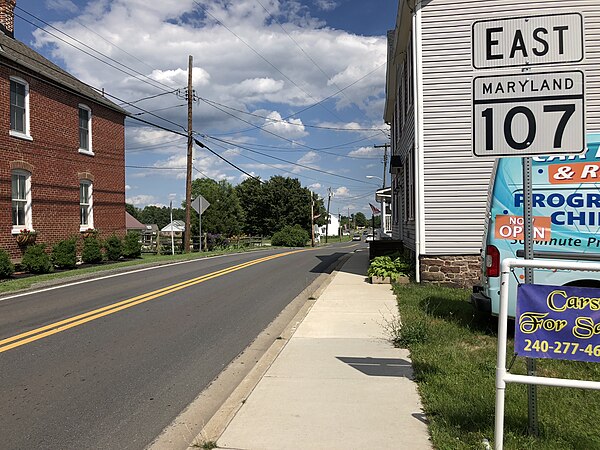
x: 86, y: 206
x: 21, y: 200
x: 85, y: 130
x: 19, y: 108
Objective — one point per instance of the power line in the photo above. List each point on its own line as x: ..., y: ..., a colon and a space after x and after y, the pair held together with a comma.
x: 305, y: 53
x: 282, y: 137
x: 294, y: 163
x: 270, y: 119
x: 152, y: 83
x: 200, y: 144
x: 262, y: 57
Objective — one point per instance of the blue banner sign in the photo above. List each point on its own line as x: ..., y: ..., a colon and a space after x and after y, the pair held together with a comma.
x: 558, y: 322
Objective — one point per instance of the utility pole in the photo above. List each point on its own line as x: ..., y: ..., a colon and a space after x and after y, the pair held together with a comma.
x: 312, y: 220
x: 188, y: 179
x: 329, y: 195
x: 385, y: 157
x: 349, y: 222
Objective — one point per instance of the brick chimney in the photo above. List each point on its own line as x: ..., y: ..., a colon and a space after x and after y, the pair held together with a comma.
x: 7, y: 17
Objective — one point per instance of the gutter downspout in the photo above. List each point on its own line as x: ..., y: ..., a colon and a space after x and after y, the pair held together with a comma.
x: 419, y: 140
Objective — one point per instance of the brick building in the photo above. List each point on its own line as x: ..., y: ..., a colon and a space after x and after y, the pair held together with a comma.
x: 62, y: 149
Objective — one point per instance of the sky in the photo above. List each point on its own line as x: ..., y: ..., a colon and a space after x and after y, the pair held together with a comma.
x: 282, y: 87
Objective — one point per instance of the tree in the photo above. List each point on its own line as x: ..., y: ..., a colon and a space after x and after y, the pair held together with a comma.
x: 361, y: 219
x: 135, y: 212
x: 224, y: 215
x: 251, y: 194
x: 289, y: 204
x: 160, y: 215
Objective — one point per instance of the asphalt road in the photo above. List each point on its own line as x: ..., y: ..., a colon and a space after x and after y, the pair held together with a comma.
x: 109, y: 363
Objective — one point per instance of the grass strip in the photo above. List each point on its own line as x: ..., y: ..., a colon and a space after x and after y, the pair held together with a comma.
x: 453, y: 349
x: 35, y: 281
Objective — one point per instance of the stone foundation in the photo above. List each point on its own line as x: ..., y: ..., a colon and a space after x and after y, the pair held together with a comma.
x: 452, y: 271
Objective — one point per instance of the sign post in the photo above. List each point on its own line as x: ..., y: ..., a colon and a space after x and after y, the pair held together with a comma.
x: 200, y: 204
x: 527, y: 113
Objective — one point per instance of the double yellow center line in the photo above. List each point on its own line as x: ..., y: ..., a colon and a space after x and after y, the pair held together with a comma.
x: 57, y: 327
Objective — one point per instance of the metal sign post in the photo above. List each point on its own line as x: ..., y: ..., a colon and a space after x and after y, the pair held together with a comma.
x: 200, y: 204
x: 528, y: 247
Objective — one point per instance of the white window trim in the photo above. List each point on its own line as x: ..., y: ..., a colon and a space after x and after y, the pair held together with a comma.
x: 90, y: 150
x: 19, y: 134
x: 16, y: 229
x: 90, y: 223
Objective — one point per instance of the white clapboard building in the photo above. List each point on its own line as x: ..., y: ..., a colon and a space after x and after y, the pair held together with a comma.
x: 439, y: 188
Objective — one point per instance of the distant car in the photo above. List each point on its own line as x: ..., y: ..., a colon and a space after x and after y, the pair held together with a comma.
x: 346, y: 233
x: 365, y: 232
x: 356, y: 237
x: 369, y: 237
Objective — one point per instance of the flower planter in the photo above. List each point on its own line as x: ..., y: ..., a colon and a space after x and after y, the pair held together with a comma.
x: 380, y: 280
x: 89, y: 233
x: 400, y: 279
x: 25, y: 239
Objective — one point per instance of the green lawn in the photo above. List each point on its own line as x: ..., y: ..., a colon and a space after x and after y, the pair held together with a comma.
x: 453, y: 350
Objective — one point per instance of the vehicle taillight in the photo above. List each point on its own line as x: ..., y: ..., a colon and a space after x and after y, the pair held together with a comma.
x: 492, y: 261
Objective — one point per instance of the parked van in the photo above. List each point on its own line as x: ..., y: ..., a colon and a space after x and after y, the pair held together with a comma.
x: 566, y: 211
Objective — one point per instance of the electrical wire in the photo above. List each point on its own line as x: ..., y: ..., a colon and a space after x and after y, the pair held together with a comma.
x: 295, y: 163
x: 270, y: 119
x: 144, y: 78
x: 263, y: 58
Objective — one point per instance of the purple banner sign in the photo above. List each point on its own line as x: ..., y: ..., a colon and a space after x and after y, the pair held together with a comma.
x: 558, y: 322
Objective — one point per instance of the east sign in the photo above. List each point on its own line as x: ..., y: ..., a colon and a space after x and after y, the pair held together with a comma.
x: 526, y: 41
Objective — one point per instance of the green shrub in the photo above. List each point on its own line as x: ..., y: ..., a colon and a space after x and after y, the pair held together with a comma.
x: 92, y: 250
x: 64, y: 254
x: 7, y: 268
x: 36, y: 260
x: 132, y: 247
x: 385, y: 266
x: 113, y: 248
x: 289, y: 236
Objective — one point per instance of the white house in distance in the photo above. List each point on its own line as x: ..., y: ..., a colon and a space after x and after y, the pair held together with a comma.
x: 439, y: 189
x: 333, y: 229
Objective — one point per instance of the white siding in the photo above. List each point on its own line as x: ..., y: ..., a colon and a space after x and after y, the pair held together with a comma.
x: 455, y: 182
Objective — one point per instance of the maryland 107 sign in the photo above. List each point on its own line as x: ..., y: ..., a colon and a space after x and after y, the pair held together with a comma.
x: 528, y: 114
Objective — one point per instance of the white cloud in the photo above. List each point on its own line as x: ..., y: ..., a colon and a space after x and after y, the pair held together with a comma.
x: 127, y: 187
x: 309, y: 158
x: 225, y: 68
x: 291, y: 128
x: 179, y: 77
x: 315, y: 186
x: 366, y: 152
x: 326, y: 5
x: 62, y: 5
x: 258, y: 88
x: 140, y: 200
x: 342, y: 191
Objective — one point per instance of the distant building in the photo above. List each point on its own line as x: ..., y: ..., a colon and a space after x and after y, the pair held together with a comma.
x: 333, y: 229
x: 62, y: 164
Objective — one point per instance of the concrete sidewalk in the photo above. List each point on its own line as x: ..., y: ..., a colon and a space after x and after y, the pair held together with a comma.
x: 338, y: 383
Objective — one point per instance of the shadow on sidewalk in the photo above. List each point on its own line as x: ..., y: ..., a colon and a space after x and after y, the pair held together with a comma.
x: 380, y: 367
x: 329, y: 262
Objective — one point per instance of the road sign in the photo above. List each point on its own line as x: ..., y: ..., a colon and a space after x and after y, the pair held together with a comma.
x: 200, y: 204
x: 529, y: 114
x: 527, y: 41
